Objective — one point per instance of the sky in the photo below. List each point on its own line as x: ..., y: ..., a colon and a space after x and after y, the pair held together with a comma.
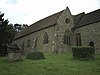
x: 30, y: 11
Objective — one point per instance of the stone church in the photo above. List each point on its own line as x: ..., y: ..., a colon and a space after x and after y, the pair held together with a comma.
x: 61, y: 31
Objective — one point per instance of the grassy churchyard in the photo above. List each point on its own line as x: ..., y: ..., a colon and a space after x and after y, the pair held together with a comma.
x: 53, y: 64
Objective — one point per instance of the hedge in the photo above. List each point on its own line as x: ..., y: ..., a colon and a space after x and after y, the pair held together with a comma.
x: 82, y: 52
x: 35, y: 56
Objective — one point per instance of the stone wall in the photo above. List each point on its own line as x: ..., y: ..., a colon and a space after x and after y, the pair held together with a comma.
x: 37, y: 40
x: 65, y: 22
x: 89, y: 33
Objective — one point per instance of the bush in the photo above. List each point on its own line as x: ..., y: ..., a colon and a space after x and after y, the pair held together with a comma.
x: 35, y: 55
x: 81, y: 52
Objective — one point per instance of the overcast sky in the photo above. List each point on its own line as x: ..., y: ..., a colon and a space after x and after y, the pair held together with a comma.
x: 30, y: 11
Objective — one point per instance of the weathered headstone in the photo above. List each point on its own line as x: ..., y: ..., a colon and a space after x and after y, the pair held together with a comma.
x: 14, y: 53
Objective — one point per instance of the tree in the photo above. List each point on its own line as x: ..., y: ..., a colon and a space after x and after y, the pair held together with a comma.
x: 10, y: 33
x: 18, y: 27
x: 7, y: 33
x: 3, y: 47
x: 1, y: 20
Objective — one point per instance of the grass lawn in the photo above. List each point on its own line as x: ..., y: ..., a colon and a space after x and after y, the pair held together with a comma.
x: 54, y: 64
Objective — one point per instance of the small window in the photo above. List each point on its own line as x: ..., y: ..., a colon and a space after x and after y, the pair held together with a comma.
x: 91, y: 43
x: 29, y: 43
x: 67, y: 20
x: 45, y: 38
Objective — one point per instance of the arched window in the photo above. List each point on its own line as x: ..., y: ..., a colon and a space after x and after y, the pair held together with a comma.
x: 29, y: 43
x: 91, y: 43
x: 22, y: 48
x: 67, y: 38
x: 78, y: 39
x: 45, y: 38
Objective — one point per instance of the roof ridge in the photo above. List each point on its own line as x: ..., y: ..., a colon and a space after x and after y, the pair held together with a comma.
x: 93, y: 11
x: 79, y: 14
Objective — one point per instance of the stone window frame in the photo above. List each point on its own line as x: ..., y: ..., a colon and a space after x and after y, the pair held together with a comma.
x: 46, y: 37
x: 22, y: 47
x: 67, y: 20
x: 67, y: 37
x: 78, y: 39
x: 28, y: 43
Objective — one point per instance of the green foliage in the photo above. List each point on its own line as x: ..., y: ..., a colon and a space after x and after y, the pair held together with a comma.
x: 35, y: 55
x: 82, y: 52
x: 7, y: 34
x: 3, y: 52
x: 7, y: 31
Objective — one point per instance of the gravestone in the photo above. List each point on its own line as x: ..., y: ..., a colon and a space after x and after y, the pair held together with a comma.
x: 14, y: 52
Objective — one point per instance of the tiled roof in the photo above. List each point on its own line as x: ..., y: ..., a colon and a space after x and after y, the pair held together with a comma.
x: 88, y: 18
x: 46, y: 22
x: 78, y: 17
